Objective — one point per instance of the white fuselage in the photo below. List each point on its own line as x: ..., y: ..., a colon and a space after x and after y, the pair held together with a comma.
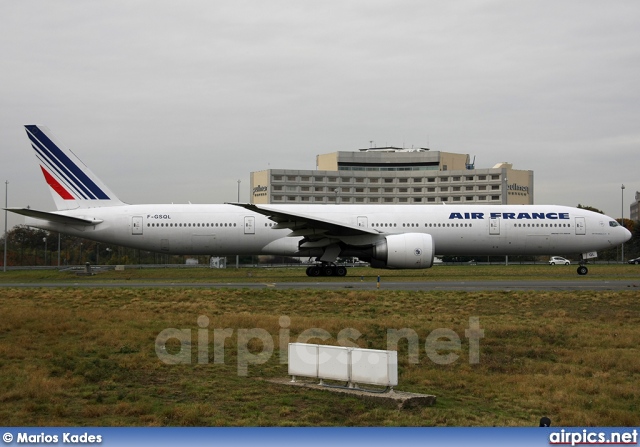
x: 456, y: 229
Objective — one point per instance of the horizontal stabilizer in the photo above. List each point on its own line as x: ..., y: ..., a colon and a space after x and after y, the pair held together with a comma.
x: 53, y: 217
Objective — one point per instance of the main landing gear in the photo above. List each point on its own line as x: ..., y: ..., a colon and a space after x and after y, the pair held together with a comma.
x: 326, y: 269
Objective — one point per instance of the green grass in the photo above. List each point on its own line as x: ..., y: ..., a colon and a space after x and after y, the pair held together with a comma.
x: 73, y: 356
x: 262, y: 275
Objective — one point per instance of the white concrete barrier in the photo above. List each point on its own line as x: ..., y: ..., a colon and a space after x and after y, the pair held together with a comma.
x: 352, y: 365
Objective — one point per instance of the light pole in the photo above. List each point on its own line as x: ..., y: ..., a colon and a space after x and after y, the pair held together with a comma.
x: 622, y: 220
x: 238, y: 256
x: 505, y: 193
x: 505, y: 200
x: 6, y: 198
x: 44, y: 239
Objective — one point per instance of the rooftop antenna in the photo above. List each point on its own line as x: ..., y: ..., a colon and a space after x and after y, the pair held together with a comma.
x: 471, y: 165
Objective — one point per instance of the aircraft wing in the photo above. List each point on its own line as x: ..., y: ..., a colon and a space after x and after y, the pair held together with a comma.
x: 304, y: 225
x: 53, y: 217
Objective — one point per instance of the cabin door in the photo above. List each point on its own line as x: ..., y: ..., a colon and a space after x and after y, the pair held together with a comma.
x: 249, y: 225
x: 494, y: 226
x: 581, y: 227
x: 136, y: 225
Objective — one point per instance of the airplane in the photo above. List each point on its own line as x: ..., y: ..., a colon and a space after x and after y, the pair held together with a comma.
x: 385, y: 236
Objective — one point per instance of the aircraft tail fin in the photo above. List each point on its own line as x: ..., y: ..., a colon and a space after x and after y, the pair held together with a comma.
x: 71, y: 182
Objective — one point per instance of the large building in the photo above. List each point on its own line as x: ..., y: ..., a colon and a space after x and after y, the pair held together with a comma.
x: 393, y: 175
x: 634, y: 208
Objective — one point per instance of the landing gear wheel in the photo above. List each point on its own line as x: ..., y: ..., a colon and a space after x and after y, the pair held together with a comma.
x: 583, y: 270
x: 340, y: 271
x: 327, y: 270
x: 313, y: 271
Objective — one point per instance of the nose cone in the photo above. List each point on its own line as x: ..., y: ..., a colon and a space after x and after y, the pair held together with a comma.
x: 626, y: 235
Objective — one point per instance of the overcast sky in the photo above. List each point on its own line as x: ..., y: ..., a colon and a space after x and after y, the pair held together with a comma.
x: 174, y: 101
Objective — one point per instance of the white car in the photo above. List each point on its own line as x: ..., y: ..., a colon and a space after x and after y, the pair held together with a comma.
x: 558, y: 260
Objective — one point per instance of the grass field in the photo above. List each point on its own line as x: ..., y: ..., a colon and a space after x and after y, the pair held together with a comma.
x: 71, y: 356
x: 260, y: 275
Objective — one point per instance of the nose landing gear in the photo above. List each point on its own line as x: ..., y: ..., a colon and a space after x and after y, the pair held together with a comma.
x: 584, y: 259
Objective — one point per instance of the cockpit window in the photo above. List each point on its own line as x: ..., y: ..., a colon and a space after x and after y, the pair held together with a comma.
x: 613, y: 223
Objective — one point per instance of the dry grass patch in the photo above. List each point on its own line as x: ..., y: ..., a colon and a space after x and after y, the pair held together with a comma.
x: 87, y: 357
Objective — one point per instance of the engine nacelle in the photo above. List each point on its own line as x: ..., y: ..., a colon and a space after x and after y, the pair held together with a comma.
x: 404, y: 251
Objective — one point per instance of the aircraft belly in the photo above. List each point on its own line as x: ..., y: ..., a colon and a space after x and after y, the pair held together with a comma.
x: 205, y: 243
x: 281, y: 246
x: 537, y: 244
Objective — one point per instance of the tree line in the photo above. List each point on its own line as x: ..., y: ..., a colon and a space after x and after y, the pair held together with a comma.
x: 36, y: 247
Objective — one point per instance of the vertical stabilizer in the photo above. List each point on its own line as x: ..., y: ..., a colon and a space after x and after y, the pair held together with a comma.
x: 71, y: 182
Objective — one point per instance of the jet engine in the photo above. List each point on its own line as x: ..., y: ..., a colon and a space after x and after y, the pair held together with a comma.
x: 404, y: 251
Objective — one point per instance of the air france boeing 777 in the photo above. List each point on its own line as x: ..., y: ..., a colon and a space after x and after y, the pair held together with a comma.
x: 387, y: 236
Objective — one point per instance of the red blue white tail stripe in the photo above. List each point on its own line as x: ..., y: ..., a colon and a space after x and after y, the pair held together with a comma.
x: 61, y: 173
x: 57, y: 187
